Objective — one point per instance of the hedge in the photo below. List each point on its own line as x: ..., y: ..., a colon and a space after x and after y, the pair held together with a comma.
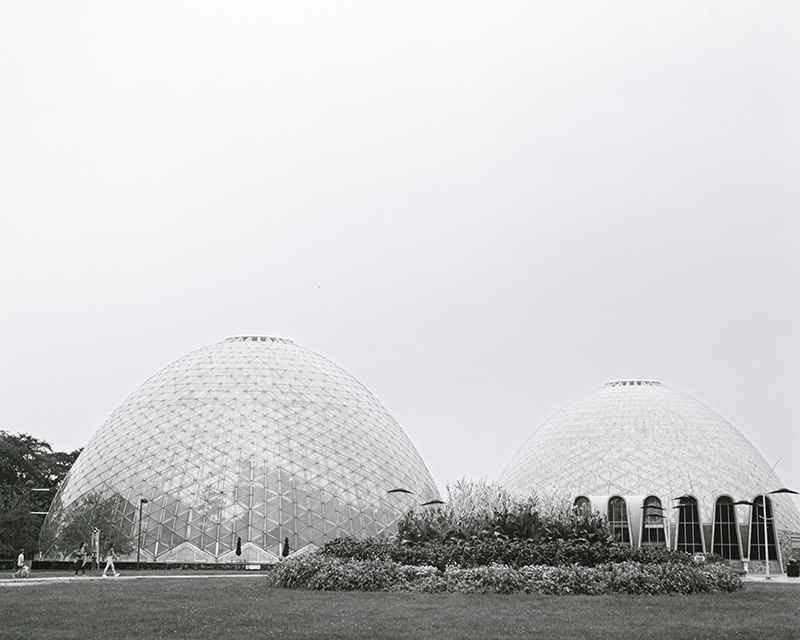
x: 320, y: 571
x: 485, y: 552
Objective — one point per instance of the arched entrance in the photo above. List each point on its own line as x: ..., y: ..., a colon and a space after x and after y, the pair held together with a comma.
x: 618, y: 520
x: 757, y: 530
x: 653, y: 534
x: 726, y: 530
x: 690, y: 537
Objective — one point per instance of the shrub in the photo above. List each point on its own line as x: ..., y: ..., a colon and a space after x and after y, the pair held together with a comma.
x: 630, y: 578
x: 724, y: 578
x: 323, y: 572
x: 355, y: 549
x: 715, y: 558
x: 494, y: 578
x: 566, y: 580
x: 484, y: 552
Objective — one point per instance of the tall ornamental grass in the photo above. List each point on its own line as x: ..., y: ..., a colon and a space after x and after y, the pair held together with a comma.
x: 481, y: 510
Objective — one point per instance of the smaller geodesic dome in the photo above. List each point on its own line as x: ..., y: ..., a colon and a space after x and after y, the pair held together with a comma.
x: 640, y: 451
x: 245, y: 443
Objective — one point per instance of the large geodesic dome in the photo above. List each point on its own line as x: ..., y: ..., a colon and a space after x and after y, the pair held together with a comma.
x: 642, y: 452
x: 245, y: 442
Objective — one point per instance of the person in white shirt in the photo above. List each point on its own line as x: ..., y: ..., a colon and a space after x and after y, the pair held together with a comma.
x: 110, y: 557
x: 22, y: 568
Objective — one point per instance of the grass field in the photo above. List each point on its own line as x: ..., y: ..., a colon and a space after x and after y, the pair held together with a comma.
x: 245, y: 607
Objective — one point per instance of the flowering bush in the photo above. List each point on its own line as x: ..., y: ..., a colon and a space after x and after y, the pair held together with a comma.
x: 318, y: 572
x: 566, y: 580
x: 630, y: 578
x: 495, y: 578
x: 322, y: 572
x: 485, y: 540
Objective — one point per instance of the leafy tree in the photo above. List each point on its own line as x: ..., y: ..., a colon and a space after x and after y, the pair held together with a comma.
x: 19, y: 529
x: 27, y: 466
x: 25, y: 459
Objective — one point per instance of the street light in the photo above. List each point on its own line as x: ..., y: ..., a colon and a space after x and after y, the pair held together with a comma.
x: 764, y: 499
x: 683, y: 516
x: 33, y: 489
x: 142, y: 501
x: 766, y: 542
x: 28, y: 525
x: 764, y: 507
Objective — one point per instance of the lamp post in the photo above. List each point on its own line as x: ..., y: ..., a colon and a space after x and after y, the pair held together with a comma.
x: 30, y: 487
x: 33, y: 489
x: 766, y: 541
x: 764, y: 500
x: 682, y: 519
x: 142, y: 501
x: 764, y: 507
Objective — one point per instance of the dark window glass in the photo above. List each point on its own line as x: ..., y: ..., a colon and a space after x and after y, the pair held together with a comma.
x: 726, y: 537
x: 618, y: 520
x: 653, y: 523
x: 689, y: 537
x: 582, y: 506
x: 757, y: 530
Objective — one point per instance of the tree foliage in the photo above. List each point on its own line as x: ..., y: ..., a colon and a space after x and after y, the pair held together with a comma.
x: 24, y: 459
x: 30, y: 474
x: 19, y: 529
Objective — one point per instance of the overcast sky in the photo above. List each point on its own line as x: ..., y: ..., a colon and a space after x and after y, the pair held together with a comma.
x: 480, y: 210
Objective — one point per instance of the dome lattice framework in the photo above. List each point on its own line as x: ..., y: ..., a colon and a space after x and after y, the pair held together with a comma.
x: 255, y: 438
x: 639, y: 437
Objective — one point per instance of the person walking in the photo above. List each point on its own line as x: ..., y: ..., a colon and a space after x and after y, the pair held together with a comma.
x: 22, y: 568
x: 80, y: 559
x: 110, y: 557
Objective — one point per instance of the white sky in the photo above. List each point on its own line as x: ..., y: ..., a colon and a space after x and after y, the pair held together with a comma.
x: 480, y: 210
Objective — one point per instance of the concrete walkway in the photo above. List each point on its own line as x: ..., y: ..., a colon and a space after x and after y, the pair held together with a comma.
x: 778, y: 578
x: 21, y: 582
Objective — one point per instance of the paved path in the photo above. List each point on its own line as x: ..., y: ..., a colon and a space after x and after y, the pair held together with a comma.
x: 780, y: 578
x: 21, y: 582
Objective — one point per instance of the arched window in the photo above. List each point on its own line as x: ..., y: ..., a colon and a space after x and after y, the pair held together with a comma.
x: 689, y: 538
x: 581, y: 506
x: 726, y: 532
x: 757, y: 530
x: 653, y: 523
x: 618, y: 520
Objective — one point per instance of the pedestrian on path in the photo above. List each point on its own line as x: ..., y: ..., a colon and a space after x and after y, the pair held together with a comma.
x: 80, y: 559
x: 110, y: 557
x: 22, y: 567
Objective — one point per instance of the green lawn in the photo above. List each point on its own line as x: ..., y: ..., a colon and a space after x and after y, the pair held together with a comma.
x: 231, y: 607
